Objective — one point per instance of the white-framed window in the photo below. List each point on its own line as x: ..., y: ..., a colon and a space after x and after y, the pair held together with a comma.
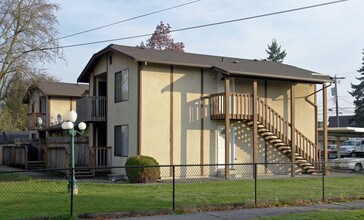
x: 121, y: 141
x: 122, y: 85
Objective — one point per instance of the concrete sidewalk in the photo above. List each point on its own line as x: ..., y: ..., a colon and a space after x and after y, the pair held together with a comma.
x: 256, y: 212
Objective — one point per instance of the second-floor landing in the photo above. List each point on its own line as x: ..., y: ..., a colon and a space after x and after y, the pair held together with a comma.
x: 92, y: 108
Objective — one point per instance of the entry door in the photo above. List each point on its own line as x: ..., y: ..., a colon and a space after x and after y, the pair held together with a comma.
x: 221, y: 146
x: 102, y: 91
x: 101, y: 153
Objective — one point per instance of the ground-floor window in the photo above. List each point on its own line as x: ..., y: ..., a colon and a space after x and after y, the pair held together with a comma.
x: 121, y: 145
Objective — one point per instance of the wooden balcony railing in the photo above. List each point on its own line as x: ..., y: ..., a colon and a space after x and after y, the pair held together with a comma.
x: 33, y: 121
x: 92, y: 108
x: 100, y: 156
x: 282, y: 129
x: 240, y: 106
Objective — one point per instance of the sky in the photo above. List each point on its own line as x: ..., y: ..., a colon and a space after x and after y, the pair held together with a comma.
x: 327, y: 39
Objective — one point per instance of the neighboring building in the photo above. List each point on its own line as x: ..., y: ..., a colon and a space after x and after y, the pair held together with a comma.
x: 45, y: 146
x: 173, y: 106
x: 49, y: 103
x: 344, y: 121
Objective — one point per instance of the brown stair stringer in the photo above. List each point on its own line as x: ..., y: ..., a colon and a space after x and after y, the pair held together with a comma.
x: 283, y: 147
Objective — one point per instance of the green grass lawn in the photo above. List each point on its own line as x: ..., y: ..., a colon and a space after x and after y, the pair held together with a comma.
x: 27, y: 197
x: 322, y: 215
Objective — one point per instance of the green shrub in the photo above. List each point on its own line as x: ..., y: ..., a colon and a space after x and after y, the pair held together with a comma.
x: 142, y: 174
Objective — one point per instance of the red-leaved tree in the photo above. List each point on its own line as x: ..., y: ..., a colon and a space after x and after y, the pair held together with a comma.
x: 162, y: 39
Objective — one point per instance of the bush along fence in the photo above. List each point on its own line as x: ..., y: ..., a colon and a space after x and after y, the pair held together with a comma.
x: 47, y: 193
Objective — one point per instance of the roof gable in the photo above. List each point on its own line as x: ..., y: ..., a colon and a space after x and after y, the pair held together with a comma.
x: 227, y: 65
x: 58, y: 89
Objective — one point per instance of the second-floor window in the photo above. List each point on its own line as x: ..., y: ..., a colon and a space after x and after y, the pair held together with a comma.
x: 122, y: 85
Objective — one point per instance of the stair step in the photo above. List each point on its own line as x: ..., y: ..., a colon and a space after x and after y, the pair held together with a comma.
x: 267, y: 133
x: 33, y: 165
x: 272, y: 138
x: 313, y: 171
x: 258, y: 124
x: 311, y: 167
x: 84, y: 174
x: 281, y: 144
x: 275, y: 141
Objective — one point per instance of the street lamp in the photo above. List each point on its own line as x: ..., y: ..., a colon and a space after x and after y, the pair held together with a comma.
x: 69, y: 127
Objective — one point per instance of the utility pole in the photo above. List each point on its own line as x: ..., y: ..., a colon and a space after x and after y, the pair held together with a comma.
x: 337, y: 101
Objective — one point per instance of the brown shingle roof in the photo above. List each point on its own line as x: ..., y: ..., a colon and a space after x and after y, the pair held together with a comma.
x: 228, y: 65
x: 62, y: 89
x: 58, y: 89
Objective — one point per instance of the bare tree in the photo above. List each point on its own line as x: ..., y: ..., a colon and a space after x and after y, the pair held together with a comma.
x: 26, y: 28
x: 13, y: 113
x: 162, y: 39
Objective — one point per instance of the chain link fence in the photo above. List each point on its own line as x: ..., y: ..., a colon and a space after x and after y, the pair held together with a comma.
x: 46, y: 193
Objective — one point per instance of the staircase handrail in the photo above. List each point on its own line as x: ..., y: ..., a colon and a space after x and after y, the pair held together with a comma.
x: 281, y: 128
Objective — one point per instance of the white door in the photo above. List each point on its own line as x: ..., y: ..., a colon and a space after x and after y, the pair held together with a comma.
x: 221, y: 146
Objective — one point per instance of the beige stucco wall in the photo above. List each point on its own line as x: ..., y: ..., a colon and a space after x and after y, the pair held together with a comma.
x: 61, y: 106
x: 186, y: 113
x: 102, y: 66
x: 156, y: 112
x: 187, y: 120
x: 122, y: 113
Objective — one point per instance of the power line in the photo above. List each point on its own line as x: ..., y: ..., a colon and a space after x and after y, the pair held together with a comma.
x: 129, y: 19
x: 345, y: 100
x: 193, y: 27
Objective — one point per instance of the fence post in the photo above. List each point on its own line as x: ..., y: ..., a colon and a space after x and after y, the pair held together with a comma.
x: 255, y: 183
x: 71, y: 189
x: 173, y: 187
x: 323, y: 180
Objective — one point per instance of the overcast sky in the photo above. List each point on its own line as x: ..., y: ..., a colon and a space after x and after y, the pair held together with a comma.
x: 327, y: 39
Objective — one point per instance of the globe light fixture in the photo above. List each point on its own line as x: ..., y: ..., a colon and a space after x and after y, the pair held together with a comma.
x: 82, y: 126
x: 72, y: 116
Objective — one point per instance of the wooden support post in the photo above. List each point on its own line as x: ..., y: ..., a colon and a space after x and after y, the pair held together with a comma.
x: 140, y: 102
x: 293, y: 131
x: 324, y: 120
x: 255, y: 121
x: 338, y: 147
x: 202, y: 112
x: 227, y: 126
x: 171, y: 116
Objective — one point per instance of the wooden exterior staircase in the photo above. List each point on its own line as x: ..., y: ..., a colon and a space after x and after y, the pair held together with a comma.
x: 271, y: 126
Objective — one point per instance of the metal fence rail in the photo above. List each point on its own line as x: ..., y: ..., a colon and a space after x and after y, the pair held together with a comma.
x: 45, y: 193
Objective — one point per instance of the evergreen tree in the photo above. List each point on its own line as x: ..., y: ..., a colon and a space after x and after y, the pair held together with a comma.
x: 358, y: 94
x: 274, y: 52
x: 162, y: 39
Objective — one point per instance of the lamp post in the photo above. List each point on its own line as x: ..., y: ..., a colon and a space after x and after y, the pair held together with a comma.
x: 69, y: 127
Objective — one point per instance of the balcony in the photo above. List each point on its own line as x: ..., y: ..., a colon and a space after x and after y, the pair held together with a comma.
x: 240, y: 106
x: 36, y: 121
x: 92, y: 109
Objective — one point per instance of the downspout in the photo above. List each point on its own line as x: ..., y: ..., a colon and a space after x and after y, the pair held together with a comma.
x: 315, y: 107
